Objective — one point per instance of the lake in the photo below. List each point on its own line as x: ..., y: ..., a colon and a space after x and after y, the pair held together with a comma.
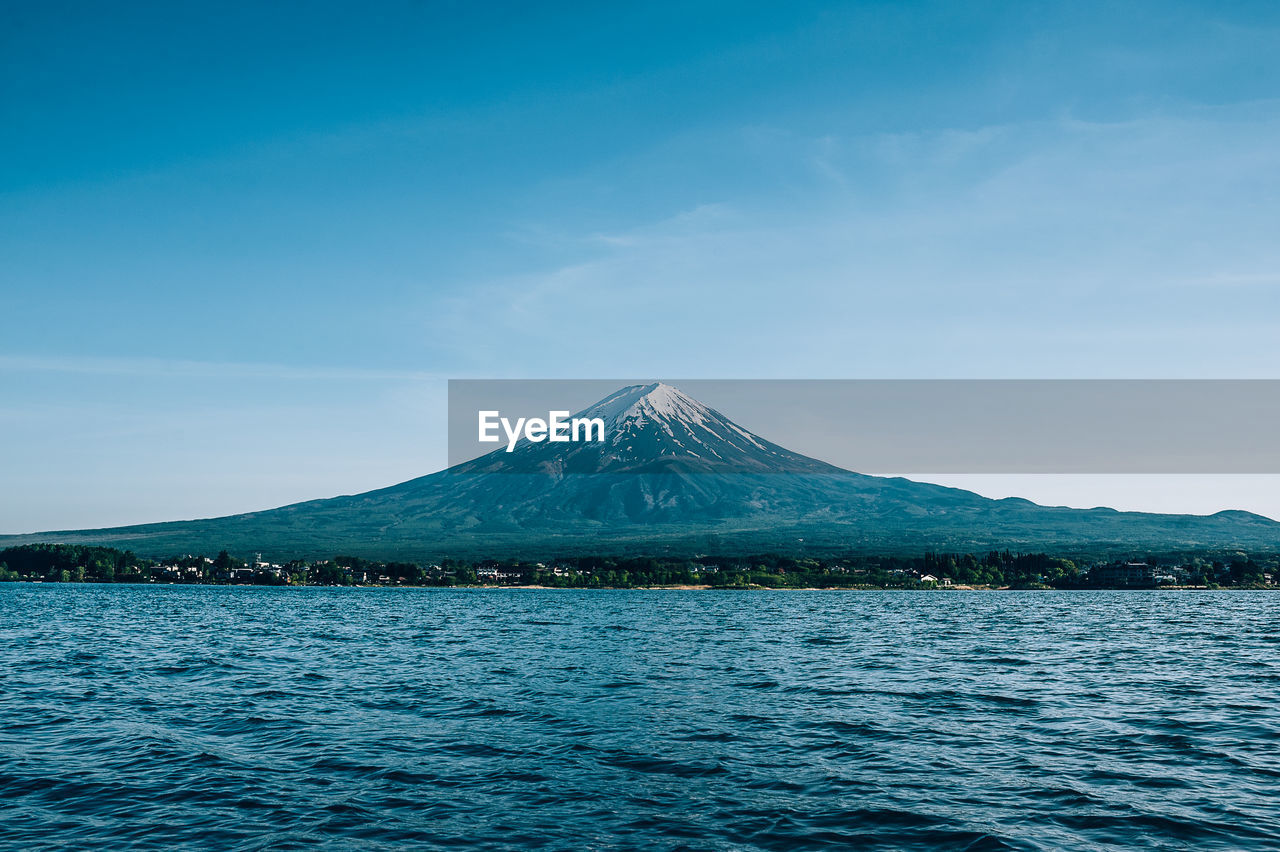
x: 157, y: 717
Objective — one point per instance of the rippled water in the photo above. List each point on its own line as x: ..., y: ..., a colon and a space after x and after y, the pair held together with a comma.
x: 160, y: 717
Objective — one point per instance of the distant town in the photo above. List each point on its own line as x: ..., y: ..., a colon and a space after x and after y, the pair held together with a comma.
x: 61, y: 563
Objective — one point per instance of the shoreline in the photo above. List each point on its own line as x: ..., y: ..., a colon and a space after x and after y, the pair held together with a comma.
x: 660, y: 588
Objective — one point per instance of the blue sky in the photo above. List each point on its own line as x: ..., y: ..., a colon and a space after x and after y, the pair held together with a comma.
x: 242, y: 247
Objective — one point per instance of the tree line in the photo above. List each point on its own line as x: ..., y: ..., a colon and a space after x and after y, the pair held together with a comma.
x: 64, y: 563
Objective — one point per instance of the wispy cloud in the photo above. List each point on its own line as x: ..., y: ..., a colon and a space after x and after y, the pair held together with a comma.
x: 1046, y: 237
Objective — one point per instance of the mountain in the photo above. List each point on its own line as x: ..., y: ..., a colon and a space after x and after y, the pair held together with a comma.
x: 671, y: 476
x: 652, y: 429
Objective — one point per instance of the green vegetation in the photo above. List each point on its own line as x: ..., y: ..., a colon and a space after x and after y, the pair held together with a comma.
x: 61, y: 563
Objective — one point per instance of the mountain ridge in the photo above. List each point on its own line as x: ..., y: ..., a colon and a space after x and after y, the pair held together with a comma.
x: 672, y: 475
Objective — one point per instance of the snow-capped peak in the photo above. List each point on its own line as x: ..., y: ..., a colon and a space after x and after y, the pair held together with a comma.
x: 656, y: 401
x: 649, y: 428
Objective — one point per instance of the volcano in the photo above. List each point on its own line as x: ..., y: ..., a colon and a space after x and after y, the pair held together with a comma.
x: 671, y: 476
x: 653, y: 429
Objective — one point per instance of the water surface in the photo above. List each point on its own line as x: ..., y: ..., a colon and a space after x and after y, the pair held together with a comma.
x: 251, y: 718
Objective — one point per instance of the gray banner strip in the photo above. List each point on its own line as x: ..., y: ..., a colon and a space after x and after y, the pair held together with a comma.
x: 945, y: 426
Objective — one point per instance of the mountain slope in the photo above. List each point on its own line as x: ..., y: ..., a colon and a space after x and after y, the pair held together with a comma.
x: 671, y: 476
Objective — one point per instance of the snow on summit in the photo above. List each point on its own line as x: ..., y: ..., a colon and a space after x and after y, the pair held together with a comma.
x: 653, y: 427
x: 657, y: 401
